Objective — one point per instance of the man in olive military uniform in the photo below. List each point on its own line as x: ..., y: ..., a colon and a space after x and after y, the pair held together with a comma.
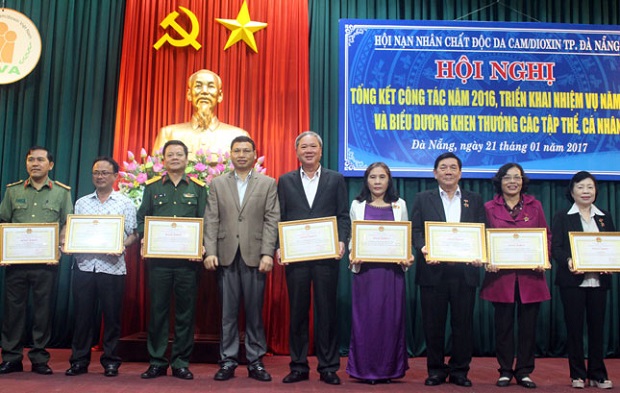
x: 173, y: 195
x: 36, y: 200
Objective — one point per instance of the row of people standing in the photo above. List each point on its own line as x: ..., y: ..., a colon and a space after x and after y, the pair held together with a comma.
x: 445, y: 285
x: 311, y: 192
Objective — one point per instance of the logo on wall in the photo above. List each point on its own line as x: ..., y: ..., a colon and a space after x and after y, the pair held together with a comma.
x: 20, y: 46
x: 188, y: 38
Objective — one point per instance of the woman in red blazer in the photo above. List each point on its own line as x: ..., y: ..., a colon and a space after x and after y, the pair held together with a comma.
x: 508, y: 289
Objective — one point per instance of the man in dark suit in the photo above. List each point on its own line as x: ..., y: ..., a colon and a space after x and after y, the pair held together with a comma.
x: 241, y: 222
x: 305, y: 193
x: 443, y: 283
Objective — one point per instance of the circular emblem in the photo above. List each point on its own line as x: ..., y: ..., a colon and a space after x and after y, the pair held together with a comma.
x: 307, y: 227
x: 599, y: 240
x: 515, y: 235
x: 29, y: 231
x: 381, y: 229
x: 20, y: 46
x: 174, y: 225
x: 455, y: 230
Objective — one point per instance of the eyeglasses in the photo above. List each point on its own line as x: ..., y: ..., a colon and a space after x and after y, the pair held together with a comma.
x: 510, y: 178
x: 102, y: 173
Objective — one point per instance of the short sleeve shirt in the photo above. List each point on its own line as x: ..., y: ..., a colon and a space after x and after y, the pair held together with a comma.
x: 116, y: 204
x: 162, y: 198
x: 23, y: 203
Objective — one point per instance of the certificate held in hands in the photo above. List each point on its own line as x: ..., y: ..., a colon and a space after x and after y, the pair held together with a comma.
x: 308, y: 240
x: 381, y: 241
x: 455, y: 241
x: 524, y: 248
x: 173, y: 237
x: 595, y: 251
x: 94, y: 234
x: 29, y: 243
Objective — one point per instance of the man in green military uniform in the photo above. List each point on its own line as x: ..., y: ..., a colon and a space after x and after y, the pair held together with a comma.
x: 36, y: 200
x: 173, y: 195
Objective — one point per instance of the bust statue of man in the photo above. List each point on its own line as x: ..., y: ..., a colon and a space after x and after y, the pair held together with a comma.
x: 204, y: 130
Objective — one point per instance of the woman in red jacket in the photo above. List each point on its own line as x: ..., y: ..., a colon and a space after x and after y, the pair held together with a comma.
x: 508, y: 289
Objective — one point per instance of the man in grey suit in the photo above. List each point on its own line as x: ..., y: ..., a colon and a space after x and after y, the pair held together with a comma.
x: 305, y: 193
x: 241, y: 222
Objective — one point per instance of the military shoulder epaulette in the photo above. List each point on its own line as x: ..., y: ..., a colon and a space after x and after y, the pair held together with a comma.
x: 14, y: 184
x: 197, y: 181
x: 66, y: 187
x: 152, y: 180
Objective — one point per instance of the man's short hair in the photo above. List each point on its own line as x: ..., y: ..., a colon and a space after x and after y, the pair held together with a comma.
x: 50, y: 157
x: 241, y: 139
x: 448, y: 155
x: 306, y: 133
x: 174, y: 142
x: 110, y: 160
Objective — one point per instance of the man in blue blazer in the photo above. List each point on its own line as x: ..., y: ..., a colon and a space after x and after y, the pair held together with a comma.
x: 443, y: 283
x: 305, y: 193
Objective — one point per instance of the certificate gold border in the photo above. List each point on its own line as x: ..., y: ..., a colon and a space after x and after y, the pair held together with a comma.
x: 54, y: 227
x: 148, y: 253
x: 578, y: 260
x: 541, y: 232
x: 435, y: 255
x: 71, y: 233
x: 307, y: 224
x: 403, y: 225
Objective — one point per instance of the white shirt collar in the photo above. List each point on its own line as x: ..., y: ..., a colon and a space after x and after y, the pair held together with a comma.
x: 594, y: 211
x: 457, y: 193
x: 246, y: 178
x: 317, y: 174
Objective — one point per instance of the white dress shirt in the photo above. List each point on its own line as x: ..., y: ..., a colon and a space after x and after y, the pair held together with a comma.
x: 310, y: 185
x: 589, y: 279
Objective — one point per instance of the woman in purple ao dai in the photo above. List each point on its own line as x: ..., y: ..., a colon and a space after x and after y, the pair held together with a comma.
x: 378, y: 348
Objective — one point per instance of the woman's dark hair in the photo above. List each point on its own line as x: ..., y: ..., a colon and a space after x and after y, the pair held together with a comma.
x: 391, y: 195
x: 503, y: 170
x: 577, y: 177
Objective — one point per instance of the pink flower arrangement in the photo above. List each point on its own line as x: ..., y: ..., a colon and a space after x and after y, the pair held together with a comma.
x: 204, y: 167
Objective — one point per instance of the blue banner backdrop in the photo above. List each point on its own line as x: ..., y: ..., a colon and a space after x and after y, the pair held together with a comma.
x: 544, y: 95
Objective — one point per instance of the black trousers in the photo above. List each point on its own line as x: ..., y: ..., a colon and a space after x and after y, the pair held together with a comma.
x: 95, y: 294
x: 588, y: 303
x: 453, y: 292
x: 19, y: 282
x: 322, y: 277
x: 527, y: 316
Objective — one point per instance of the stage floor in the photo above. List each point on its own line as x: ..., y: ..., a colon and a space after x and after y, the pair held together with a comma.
x: 551, y: 375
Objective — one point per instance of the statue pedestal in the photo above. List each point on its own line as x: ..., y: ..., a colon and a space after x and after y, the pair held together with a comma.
x: 132, y: 346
